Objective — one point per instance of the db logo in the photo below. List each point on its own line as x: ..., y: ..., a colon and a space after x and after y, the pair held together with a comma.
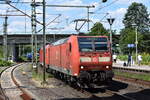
x: 94, y: 59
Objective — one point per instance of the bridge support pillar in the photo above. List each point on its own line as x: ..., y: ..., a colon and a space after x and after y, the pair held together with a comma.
x: 15, y: 52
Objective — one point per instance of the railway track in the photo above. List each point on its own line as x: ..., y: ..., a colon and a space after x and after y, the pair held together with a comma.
x: 3, y: 96
x: 101, y: 94
x: 122, y: 97
x: 12, y: 90
x: 105, y: 93
x: 133, y: 70
x: 133, y: 80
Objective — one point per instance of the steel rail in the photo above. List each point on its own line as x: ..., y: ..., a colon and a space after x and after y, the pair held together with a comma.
x: 98, y: 95
x: 3, y: 95
x: 25, y: 95
x: 133, y: 80
x: 131, y: 69
x: 123, y: 96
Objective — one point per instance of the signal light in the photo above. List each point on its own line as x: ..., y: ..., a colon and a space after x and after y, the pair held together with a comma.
x: 104, y: 0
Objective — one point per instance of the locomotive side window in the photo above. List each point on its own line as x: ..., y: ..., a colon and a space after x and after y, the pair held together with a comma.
x: 70, y: 47
x: 90, y: 44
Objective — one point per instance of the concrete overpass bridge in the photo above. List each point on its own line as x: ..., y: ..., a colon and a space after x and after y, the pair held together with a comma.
x: 25, y: 39
x: 15, y: 41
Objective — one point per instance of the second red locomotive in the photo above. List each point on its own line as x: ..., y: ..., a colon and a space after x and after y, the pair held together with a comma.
x: 84, y: 60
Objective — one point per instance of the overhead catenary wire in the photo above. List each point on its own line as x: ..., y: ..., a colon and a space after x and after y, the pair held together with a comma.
x: 19, y: 2
x: 23, y: 13
x: 49, y: 23
x: 106, y: 5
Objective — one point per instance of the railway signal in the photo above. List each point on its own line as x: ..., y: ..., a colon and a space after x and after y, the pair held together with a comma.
x: 111, y: 20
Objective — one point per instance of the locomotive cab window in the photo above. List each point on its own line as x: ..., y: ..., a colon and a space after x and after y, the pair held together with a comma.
x: 90, y: 44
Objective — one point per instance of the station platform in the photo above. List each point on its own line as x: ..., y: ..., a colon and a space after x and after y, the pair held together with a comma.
x: 119, y: 64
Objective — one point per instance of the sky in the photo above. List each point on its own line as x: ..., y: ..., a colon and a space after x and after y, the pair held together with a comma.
x: 64, y: 23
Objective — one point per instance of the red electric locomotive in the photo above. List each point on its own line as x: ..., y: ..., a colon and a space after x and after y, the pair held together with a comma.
x: 84, y: 60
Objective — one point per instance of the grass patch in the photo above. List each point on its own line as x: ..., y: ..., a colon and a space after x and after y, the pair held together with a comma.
x: 145, y: 77
x: 1, y: 70
x: 21, y: 69
x: 39, y: 76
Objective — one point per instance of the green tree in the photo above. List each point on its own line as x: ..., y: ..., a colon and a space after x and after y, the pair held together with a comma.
x: 137, y: 14
x: 1, y: 51
x: 98, y: 29
x: 115, y: 41
x: 128, y: 37
x: 27, y: 49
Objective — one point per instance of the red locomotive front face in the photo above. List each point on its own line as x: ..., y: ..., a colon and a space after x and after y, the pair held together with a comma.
x: 94, y: 53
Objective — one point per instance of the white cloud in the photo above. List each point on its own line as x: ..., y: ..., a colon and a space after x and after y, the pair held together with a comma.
x: 18, y: 26
x: 39, y: 10
x: 2, y: 11
x: 70, y: 27
x: 17, y: 23
x: 118, y: 13
x: 128, y: 2
x: 68, y: 2
x: 94, y: 20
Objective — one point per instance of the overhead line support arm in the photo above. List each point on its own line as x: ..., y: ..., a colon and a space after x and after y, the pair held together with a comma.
x: 23, y: 12
x: 75, y: 6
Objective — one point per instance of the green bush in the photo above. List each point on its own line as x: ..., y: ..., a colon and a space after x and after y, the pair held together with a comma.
x: 122, y: 57
x: 145, y: 58
x: 22, y: 59
x: 5, y: 63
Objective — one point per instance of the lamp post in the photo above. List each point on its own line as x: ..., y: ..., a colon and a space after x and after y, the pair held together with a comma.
x: 136, y: 42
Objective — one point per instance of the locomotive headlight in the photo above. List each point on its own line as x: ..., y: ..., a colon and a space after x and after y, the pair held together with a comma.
x: 82, y: 67
x: 104, y: 59
x: 107, y: 67
x: 85, y: 59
